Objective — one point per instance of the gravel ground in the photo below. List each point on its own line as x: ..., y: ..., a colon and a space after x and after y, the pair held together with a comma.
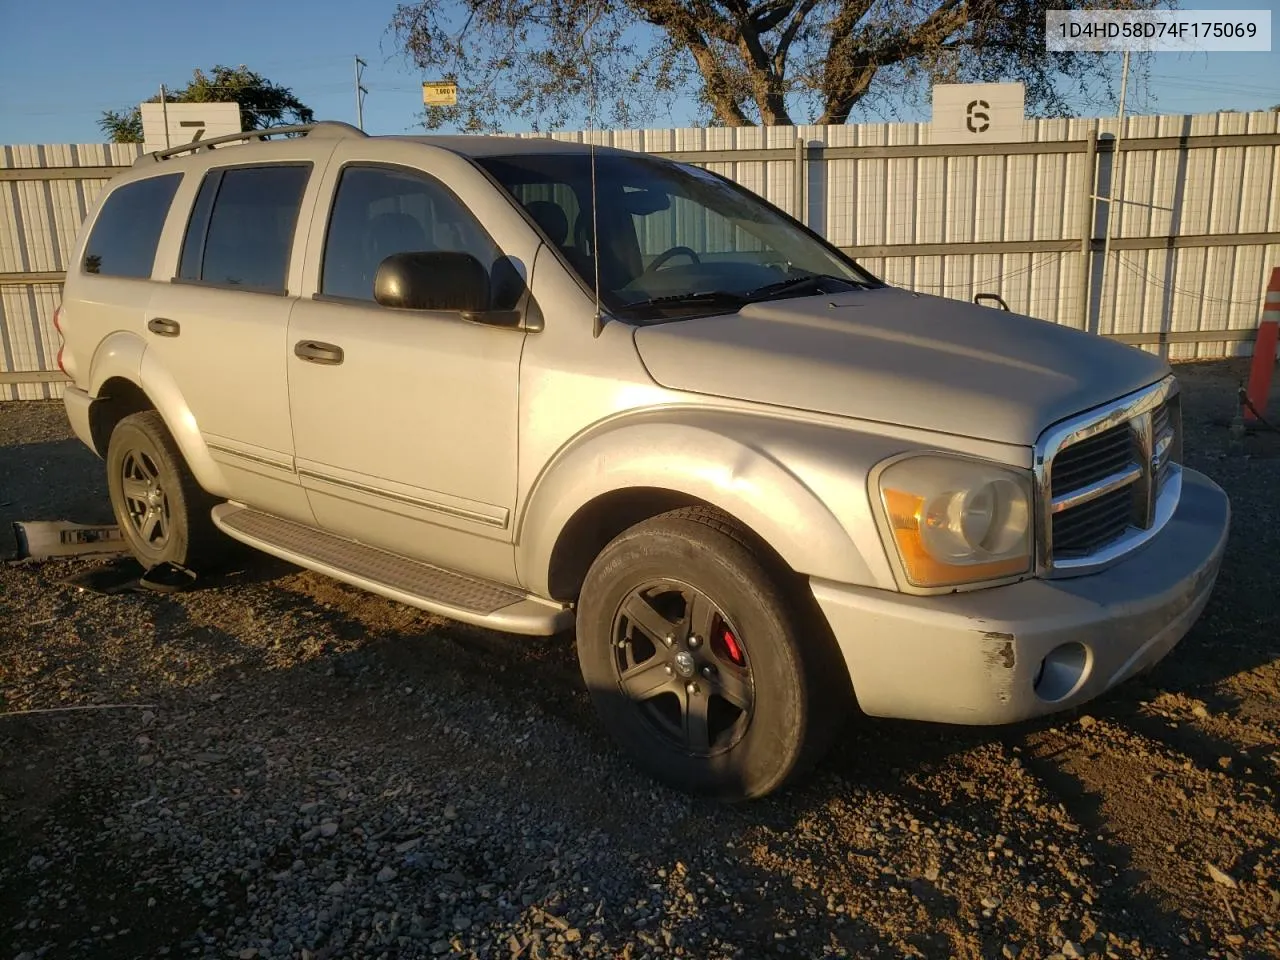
x: 322, y: 773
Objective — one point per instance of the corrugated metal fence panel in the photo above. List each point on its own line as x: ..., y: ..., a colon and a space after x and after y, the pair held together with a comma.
x: 956, y: 199
x: 1217, y: 191
x: 27, y: 342
x: 69, y: 155
x: 1032, y: 199
x: 39, y: 220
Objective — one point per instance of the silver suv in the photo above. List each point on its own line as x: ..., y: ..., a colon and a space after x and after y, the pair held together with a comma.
x: 533, y: 385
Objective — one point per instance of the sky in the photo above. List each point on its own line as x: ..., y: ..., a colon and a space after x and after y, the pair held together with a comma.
x: 62, y: 62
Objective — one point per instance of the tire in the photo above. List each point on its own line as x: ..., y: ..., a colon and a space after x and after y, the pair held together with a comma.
x: 144, y: 461
x: 768, y: 674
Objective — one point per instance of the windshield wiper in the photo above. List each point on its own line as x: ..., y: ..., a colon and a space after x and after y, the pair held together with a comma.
x: 791, y: 283
x: 692, y: 299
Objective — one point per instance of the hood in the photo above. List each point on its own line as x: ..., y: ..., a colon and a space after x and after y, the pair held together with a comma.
x: 893, y: 356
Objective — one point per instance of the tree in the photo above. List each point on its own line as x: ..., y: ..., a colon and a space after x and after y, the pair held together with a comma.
x: 263, y: 104
x: 123, y: 126
x: 747, y: 61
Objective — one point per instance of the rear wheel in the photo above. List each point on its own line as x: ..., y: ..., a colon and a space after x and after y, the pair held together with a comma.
x: 159, y: 506
x: 699, y: 661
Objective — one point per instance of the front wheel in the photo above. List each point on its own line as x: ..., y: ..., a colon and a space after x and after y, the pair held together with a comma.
x: 698, y: 660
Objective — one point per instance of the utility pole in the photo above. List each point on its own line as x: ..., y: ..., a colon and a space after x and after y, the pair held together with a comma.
x: 360, y: 92
x: 164, y: 109
x: 1111, y: 199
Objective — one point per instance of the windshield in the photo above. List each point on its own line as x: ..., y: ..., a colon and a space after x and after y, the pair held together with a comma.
x: 675, y: 241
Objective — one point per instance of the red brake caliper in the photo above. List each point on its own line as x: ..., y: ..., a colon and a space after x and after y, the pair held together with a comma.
x: 732, y: 648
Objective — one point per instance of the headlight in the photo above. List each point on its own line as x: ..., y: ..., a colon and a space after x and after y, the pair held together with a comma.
x: 955, y: 521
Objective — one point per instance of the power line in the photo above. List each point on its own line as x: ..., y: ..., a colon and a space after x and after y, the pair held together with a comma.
x: 1182, y: 80
x: 1151, y: 278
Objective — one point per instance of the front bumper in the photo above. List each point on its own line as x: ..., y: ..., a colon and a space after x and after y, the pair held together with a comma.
x: 1036, y: 647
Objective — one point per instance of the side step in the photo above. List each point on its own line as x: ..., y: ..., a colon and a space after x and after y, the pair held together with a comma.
x: 412, y: 582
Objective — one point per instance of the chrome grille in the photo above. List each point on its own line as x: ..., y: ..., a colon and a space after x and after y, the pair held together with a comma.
x: 1093, y: 459
x: 1094, y: 524
x: 1104, y: 480
x: 1166, y: 432
x: 1095, y: 463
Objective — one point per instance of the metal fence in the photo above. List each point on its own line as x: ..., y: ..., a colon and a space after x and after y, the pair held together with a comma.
x: 1193, y: 204
x: 45, y: 193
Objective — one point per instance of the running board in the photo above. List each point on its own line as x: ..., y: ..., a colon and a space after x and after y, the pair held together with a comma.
x: 418, y: 584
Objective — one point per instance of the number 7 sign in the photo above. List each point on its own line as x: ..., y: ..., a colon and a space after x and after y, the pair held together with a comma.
x: 173, y: 124
x: 197, y: 125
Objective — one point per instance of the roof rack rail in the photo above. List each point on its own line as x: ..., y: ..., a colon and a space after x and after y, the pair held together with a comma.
x: 325, y: 129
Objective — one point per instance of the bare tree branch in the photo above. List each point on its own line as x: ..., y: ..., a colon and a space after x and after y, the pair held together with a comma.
x: 748, y: 61
x: 789, y: 34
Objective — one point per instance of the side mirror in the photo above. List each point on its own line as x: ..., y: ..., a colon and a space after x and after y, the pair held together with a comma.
x: 432, y: 280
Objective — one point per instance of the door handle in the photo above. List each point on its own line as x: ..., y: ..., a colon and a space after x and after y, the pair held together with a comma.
x: 313, y: 351
x: 164, y: 327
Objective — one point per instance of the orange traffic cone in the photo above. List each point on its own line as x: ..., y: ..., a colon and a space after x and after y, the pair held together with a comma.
x: 1254, y: 398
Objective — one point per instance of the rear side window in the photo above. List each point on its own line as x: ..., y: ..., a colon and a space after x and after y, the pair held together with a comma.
x: 242, y: 227
x: 125, y: 235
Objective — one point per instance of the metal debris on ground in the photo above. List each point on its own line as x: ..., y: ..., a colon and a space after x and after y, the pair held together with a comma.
x: 41, y: 539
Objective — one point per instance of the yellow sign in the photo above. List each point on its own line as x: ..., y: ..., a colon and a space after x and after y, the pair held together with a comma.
x: 441, y: 94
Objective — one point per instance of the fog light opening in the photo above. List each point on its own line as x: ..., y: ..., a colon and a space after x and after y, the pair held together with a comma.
x: 1061, y: 672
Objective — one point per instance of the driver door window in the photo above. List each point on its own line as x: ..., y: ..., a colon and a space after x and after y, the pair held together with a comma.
x: 379, y: 211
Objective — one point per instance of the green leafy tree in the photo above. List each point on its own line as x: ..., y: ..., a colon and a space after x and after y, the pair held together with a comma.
x: 747, y: 61
x: 123, y: 126
x: 263, y: 104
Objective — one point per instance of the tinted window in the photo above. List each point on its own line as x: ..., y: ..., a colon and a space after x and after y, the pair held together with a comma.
x: 379, y: 211
x: 127, y: 231
x: 198, y: 228
x: 250, y: 228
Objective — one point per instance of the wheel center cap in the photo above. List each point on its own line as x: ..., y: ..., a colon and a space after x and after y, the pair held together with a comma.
x: 684, y: 664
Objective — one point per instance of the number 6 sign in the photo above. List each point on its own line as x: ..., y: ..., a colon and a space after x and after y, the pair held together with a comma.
x: 978, y: 113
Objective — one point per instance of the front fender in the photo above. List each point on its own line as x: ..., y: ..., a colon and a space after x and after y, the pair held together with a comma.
x: 800, y: 486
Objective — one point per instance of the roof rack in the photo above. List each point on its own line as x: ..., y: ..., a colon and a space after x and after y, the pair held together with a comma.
x: 325, y: 130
